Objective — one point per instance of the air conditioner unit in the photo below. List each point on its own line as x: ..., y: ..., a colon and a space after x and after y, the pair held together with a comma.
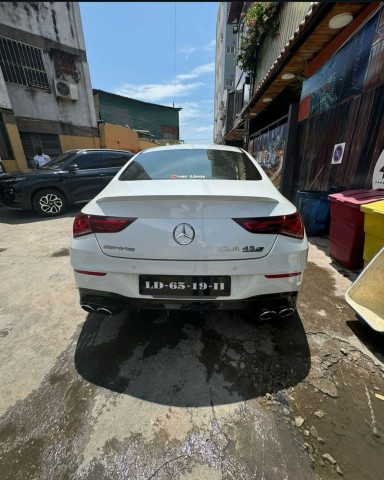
x: 66, y: 90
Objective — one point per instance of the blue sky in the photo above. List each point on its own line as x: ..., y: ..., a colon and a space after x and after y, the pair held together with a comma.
x: 161, y: 52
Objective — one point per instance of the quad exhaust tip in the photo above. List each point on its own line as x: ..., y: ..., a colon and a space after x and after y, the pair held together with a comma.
x: 267, y: 315
x: 104, y: 311
x: 87, y: 308
x: 284, y: 312
x: 94, y: 308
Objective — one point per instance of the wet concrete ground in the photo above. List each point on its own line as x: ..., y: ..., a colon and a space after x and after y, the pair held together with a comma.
x: 145, y: 396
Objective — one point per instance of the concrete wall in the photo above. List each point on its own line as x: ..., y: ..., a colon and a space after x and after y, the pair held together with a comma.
x: 116, y: 136
x: 20, y: 162
x: 5, y: 101
x: 122, y: 138
x: 68, y: 142
x: 56, y: 21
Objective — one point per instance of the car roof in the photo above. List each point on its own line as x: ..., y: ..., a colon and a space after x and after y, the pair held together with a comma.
x: 78, y: 150
x: 196, y: 146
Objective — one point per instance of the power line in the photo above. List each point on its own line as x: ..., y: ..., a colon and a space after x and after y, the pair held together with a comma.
x: 203, y: 115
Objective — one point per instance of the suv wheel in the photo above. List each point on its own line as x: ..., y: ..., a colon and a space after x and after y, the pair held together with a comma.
x: 49, y: 203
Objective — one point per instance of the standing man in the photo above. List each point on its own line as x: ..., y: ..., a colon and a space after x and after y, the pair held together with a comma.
x: 40, y: 158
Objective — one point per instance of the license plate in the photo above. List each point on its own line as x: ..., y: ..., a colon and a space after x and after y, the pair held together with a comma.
x: 185, y: 286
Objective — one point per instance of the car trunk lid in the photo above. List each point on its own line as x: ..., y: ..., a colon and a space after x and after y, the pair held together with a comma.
x: 182, y: 226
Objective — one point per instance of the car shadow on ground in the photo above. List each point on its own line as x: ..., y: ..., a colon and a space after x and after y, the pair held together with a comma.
x: 370, y: 338
x: 20, y: 217
x: 191, y: 358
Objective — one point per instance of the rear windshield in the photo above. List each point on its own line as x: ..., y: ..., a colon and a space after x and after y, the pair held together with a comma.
x: 191, y: 164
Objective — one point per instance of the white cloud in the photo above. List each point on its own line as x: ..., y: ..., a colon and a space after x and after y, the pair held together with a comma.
x: 153, y: 92
x: 198, y: 134
x: 194, y: 110
x: 188, y: 50
x: 196, y: 122
x: 207, y: 129
x: 197, y: 72
x: 196, y: 117
x: 156, y: 91
x: 210, y: 46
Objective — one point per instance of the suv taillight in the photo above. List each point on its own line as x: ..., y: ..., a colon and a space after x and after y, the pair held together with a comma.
x: 288, y: 225
x: 85, y: 224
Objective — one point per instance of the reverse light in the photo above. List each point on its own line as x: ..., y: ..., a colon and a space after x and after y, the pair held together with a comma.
x: 283, y: 275
x: 86, y: 224
x: 91, y: 272
x: 287, y: 225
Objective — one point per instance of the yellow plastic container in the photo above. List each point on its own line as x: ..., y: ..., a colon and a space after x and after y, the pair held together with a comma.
x: 373, y: 228
x: 366, y: 294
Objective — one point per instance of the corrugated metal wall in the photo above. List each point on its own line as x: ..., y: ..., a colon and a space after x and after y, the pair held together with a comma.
x: 291, y: 14
x: 137, y: 115
x: 360, y: 124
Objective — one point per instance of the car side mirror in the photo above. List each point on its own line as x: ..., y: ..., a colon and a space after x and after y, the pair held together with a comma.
x: 73, y: 168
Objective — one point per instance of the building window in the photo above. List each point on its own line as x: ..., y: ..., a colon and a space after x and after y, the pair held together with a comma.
x: 231, y: 49
x: 65, y: 63
x: 22, y: 64
x: 228, y: 83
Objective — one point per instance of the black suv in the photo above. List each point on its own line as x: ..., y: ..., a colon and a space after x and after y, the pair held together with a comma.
x: 76, y: 176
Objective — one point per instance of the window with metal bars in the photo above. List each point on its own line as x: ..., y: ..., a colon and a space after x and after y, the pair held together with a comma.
x: 22, y: 64
x: 65, y: 63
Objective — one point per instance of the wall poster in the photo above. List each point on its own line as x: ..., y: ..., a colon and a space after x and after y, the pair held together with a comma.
x: 356, y: 67
x: 268, y: 150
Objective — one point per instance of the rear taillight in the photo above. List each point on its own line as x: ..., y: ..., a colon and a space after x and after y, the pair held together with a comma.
x: 85, y: 224
x: 261, y: 225
x: 288, y: 225
x: 293, y: 226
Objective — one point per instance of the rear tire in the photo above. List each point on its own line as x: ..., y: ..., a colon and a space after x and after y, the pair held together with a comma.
x: 49, y: 203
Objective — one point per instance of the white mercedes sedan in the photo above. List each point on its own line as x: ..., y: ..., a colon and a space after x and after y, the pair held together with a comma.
x: 191, y: 227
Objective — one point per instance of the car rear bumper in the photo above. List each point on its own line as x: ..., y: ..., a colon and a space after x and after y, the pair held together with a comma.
x: 255, y: 283
x: 282, y: 304
x: 249, y: 276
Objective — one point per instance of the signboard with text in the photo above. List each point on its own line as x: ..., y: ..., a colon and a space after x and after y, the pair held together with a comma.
x: 378, y: 173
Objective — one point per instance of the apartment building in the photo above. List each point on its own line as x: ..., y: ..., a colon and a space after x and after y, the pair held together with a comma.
x: 45, y: 87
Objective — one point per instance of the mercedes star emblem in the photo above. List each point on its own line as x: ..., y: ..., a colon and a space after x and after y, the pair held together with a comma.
x: 183, y: 234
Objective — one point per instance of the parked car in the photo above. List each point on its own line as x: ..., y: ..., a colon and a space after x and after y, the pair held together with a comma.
x: 76, y: 176
x: 189, y: 227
